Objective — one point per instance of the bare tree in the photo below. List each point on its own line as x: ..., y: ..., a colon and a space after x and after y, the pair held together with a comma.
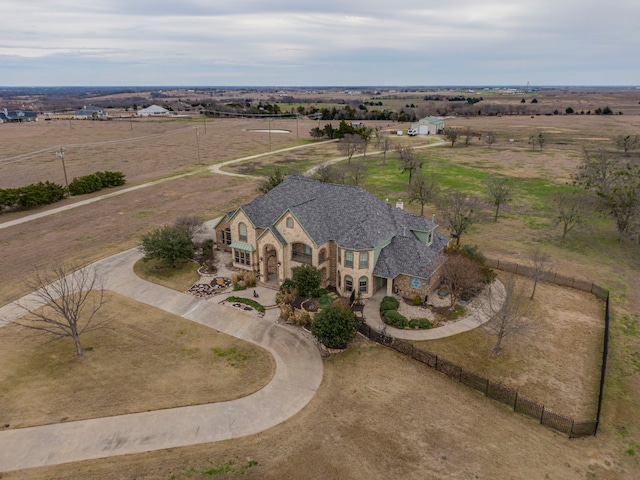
x: 616, y: 184
x: 511, y: 313
x: 354, y: 174
x: 64, y: 302
x: 349, y: 145
x: 458, y: 209
x: 409, y: 160
x: 628, y: 142
x: 384, y: 145
x: 191, y: 224
x: 572, y: 209
x: 537, y: 139
x: 423, y: 190
x: 540, y: 268
x: 499, y: 192
x: 460, y: 274
x: 490, y: 138
x: 452, y: 135
x: 325, y: 173
x: 597, y: 172
x: 468, y: 136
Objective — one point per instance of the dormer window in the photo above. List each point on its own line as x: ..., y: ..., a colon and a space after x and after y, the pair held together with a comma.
x: 289, y: 222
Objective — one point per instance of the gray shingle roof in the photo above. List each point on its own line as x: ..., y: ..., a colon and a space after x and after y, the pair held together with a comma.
x: 354, y: 219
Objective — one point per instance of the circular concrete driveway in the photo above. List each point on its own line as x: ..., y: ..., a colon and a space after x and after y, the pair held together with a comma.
x: 297, y: 377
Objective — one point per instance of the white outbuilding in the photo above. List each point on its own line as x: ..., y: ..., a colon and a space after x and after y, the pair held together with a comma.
x: 152, y: 111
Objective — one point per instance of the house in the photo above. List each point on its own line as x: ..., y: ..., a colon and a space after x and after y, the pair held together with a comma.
x: 429, y: 125
x: 360, y: 243
x: 153, y: 110
x: 90, y: 112
x: 19, y: 116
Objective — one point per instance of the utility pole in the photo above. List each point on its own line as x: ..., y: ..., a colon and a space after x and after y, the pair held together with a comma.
x: 60, y: 155
x: 204, y: 120
x: 198, y: 144
x: 269, y: 133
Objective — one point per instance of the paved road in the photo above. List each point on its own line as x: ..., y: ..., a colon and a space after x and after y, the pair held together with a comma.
x: 297, y: 377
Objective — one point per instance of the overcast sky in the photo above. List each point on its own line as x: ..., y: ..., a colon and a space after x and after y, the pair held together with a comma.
x: 319, y: 43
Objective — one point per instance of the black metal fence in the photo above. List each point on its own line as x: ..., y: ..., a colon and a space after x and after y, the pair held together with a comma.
x: 496, y: 391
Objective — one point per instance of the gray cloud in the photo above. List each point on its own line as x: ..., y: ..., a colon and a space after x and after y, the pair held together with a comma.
x: 250, y: 42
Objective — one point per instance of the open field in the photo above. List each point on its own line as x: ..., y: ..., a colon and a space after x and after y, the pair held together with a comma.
x: 144, y: 359
x: 377, y: 414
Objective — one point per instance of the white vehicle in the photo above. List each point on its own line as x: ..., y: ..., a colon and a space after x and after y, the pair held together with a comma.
x: 412, y: 132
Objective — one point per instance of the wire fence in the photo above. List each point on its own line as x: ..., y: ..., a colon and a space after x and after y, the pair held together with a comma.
x: 500, y: 393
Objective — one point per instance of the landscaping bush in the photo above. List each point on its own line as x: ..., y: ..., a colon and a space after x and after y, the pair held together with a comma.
x: 395, y: 319
x: 417, y: 300
x: 285, y: 311
x: 95, y: 181
x: 250, y: 279
x: 325, y: 301
x: 300, y: 317
x: 389, y: 303
x: 420, y: 323
x: 307, y: 279
x: 246, y: 301
x: 34, y: 195
x: 86, y: 184
x: 288, y: 284
x: 286, y: 295
x: 334, y: 326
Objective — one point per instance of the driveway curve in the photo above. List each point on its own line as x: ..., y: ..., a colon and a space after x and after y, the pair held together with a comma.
x: 297, y: 377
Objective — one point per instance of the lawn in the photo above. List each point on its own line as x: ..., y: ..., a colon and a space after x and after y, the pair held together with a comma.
x: 180, y: 278
x: 557, y: 363
x: 144, y: 359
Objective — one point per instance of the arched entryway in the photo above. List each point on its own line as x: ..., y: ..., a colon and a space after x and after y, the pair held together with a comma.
x: 269, y: 265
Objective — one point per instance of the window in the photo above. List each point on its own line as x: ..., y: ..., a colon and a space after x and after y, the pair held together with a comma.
x: 301, y: 253
x: 348, y: 259
x: 364, y: 259
x: 289, y: 222
x: 429, y: 238
x: 322, y: 256
x: 348, y: 283
x: 339, y: 280
x: 226, y: 237
x: 242, y: 232
x: 363, y: 284
x: 242, y: 257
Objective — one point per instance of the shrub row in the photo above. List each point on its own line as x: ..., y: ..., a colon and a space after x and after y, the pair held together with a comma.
x: 45, y: 193
x: 391, y: 316
x: 246, y: 301
x: 95, y: 181
x: 34, y: 195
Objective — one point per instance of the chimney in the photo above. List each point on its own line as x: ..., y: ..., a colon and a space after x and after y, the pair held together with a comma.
x: 433, y: 218
x: 400, y: 204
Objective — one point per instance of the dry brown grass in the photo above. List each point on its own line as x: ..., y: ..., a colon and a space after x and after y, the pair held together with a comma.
x: 379, y: 415
x: 180, y: 278
x: 145, y: 359
x: 557, y: 363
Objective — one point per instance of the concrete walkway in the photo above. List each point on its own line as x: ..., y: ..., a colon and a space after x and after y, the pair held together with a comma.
x: 476, y: 315
x: 297, y: 377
